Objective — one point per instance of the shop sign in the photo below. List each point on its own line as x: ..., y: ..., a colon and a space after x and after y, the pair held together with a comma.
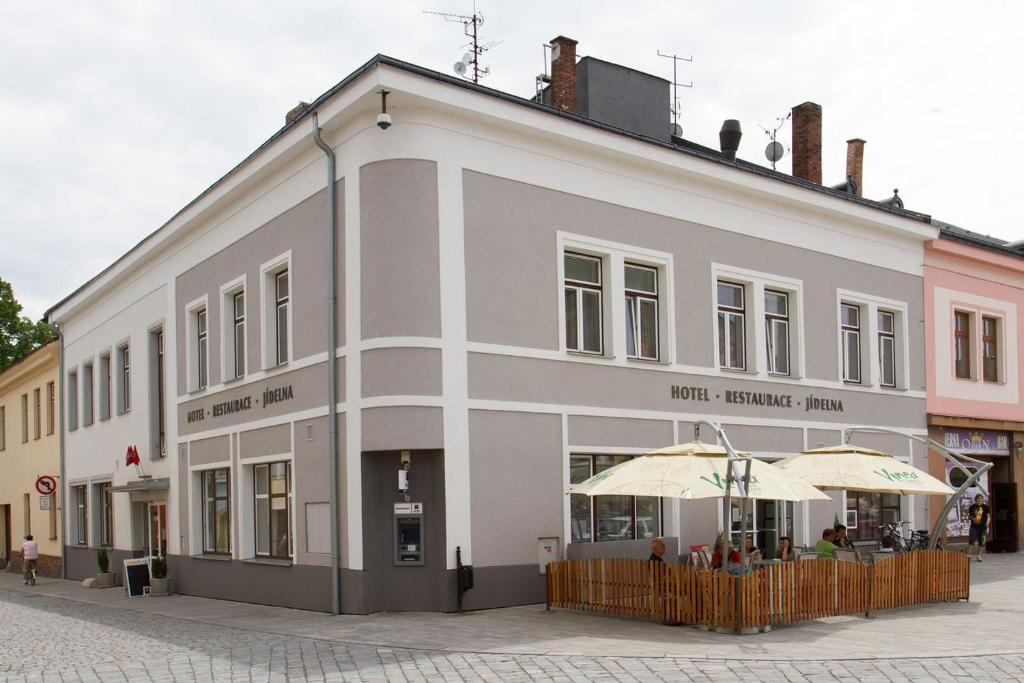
x: 267, y: 397
x: 807, y: 403
x: 978, y: 441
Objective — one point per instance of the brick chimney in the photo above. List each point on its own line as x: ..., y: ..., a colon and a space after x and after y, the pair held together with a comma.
x: 563, y: 74
x: 855, y: 164
x: 807, y: 142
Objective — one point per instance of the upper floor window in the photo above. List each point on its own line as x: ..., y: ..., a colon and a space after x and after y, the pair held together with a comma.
x: 850, y: 330
x: 990, y: 348
x: 281, y: 288
x: 202, y: 349
x: 887, y: 348
x: 24, y: 418
x: 3, y: 428
x: 88, y: 392
x: 157, y: 417
x: 776, y: 327
x: 37, y: 413
x: 641, y: 312
x: 238, y: 333
x: 51, y: 405
x: 962, y: 344
x: 124, y: 379
x: 72, y: 398
x: 583, y: 305
x: 731, y: 326
x: 104, y: 386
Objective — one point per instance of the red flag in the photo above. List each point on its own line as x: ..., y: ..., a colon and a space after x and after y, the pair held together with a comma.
x: 132, y: 457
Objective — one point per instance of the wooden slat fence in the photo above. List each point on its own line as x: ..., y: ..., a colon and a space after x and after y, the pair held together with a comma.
x: 771, y: 595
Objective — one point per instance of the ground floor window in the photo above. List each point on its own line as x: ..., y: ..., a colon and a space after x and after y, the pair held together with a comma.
x: 105, y: 498
x: 81, y: 513
x: 273, y: 509
x: 866, y: 512
x: 614, y: 518
x: 217, y: 511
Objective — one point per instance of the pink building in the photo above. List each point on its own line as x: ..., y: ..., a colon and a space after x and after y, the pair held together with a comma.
x: 974, y: 295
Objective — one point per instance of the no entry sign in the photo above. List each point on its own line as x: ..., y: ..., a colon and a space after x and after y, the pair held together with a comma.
x: 46, y: 485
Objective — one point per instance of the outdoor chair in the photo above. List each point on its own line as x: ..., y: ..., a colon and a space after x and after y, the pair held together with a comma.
x: 847, y: 555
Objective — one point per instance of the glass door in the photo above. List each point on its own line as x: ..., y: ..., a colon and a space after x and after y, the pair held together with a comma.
x: 157, y: 536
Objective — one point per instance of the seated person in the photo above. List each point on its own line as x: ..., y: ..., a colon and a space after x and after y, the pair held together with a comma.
x: 842, y: 539
x: 753, y: 552
x: 825, y: 548
x: 716, y: 557
x: 786, y: 551
x: 657, y: 550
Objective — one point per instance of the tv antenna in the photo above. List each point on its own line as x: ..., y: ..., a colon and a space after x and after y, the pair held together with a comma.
x: 775, y: 149
x: 469, y: 66
x: 677, y: 130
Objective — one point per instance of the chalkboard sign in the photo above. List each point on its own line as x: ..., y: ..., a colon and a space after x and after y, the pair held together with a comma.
x: 136, y: 577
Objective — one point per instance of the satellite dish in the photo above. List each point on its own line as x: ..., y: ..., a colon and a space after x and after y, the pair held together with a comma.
x: 467, y: 58
x: 459, y: 68
x: 677, y: 130
x: 774, y: 151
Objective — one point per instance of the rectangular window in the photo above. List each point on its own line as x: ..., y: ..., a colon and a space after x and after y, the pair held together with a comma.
x: 850, y: 330
x: 51, y: 407
x: 88, y: 392
x: 124, y: 379
x: 641, y: 312
x: 3, y: 428
x: 870, y: 510
x: 24, y: 418
x: 273, y: 510
x: 202, y: 348
x: 281, y: 319
x: 105, y: 394
x: 776, y: 327
x: 583, y: 304
x: 887, y: 348
x: 72, y: 398
x: 217, y: 511
x: 161, y: 419
x: 990, y: 348
x: 37, y: 413
x: 962, y: 343
x: 614, y: 518
x: 732, y: 353
x: 106, y: 500
x: 81, y: 512
x: 238, y: 329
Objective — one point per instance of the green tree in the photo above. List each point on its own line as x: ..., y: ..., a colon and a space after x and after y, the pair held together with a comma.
x: 19, y: 336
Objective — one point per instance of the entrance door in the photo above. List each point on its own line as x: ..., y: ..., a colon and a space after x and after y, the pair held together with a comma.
x: 1004, y: 518
x: 5, y: 529
x: 157, y: 537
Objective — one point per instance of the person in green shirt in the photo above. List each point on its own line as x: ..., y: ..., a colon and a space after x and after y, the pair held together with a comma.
x: 825, y: 548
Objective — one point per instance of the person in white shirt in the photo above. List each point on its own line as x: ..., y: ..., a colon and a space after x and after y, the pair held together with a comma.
x: 29, y: 556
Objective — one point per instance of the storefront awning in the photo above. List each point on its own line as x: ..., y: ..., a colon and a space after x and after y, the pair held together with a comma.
x: 140, y: 485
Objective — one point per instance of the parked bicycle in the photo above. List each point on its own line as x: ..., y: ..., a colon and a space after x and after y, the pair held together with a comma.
x: 900, y: 541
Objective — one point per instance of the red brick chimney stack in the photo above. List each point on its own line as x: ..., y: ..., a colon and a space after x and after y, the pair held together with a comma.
x: 855, y: 164
x: 807, y: 142
x: 563, y: 74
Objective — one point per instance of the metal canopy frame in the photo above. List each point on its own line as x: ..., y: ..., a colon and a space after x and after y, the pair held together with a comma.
x: 733, y: 459
x: 959, y: 460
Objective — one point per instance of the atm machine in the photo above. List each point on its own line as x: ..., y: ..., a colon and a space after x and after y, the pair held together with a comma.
x: 409, y: 535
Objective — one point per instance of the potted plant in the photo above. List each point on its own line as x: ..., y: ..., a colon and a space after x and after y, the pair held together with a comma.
x: 105, y: 578
x: 159, y: 584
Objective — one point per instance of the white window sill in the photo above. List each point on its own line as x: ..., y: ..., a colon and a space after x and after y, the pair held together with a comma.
x: 212, y: 557
x: 737, y: 371
x: 277, y: 562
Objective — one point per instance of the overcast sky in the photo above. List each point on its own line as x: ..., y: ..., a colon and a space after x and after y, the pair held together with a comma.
x: 114, y: 115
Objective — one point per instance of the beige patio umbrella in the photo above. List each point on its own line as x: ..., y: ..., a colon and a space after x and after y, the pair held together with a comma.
x: 692, y: 471
x: 856, y: 468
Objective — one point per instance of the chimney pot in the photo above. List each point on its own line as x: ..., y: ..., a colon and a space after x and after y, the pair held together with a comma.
x: 855, y: 164
x: 295, y: 112
x: 563, y: 74
x: 807, y: 142
x: 729, y: 138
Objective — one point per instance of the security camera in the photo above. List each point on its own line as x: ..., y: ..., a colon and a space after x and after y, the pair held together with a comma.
x: 383, y: 121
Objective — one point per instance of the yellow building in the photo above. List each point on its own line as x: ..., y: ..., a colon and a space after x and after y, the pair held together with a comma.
x: 30, y: 449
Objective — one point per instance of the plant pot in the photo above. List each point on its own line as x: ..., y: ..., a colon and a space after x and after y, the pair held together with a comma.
x: 158, y: 587
x: 105, y: 580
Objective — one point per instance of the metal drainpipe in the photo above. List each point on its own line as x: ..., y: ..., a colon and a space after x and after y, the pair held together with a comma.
x: 332, y: 364
x: 61, y: 507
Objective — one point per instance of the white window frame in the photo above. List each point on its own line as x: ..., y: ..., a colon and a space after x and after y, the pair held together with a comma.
x: 245, y: 508
x: 79, y: 527
x: 123, y: 352
x: 847, y: 332
x: 883, y: 337
x: 88, y: 393
x: 580, y: 286
x: 204, y: 519
x: 106, y: 393
x: 192, y: 343
x: 228, y: 292
x: 638, y: 297
x: 731, y: 313
x: 755, y: 283
x: 614, y: 256
x: 770, y: 319
x: 870, y: 366
x: 1000, y: 373
x: 268, y: 307
x: 72, y: 385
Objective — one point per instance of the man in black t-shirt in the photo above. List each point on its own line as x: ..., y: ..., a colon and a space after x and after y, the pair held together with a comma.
x: 978, y: 515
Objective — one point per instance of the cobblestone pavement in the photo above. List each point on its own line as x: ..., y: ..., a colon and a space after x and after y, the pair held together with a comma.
x: 47, y: 638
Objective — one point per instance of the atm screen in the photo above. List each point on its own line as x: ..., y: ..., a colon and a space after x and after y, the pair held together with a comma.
x: 409, y: 534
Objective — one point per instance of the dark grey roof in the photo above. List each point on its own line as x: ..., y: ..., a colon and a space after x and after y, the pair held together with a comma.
x: 683, y: 146
x: 977, y: 239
